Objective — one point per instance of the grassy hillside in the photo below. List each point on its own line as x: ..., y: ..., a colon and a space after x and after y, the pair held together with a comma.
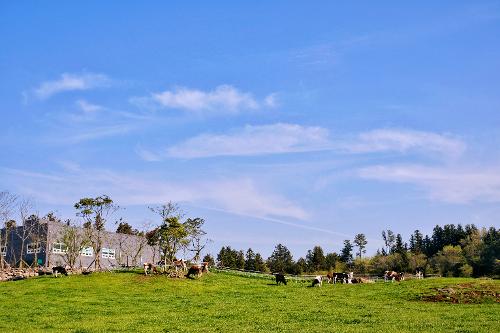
x: 117, y: 302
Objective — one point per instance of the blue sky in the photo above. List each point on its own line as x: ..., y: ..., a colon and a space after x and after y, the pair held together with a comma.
x: 287, y: 122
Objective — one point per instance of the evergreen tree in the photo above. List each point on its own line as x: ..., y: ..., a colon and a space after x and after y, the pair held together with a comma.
x: 346, y: 253
x: 250, y: 260
x: 315, y: 259
x: 281, y: 261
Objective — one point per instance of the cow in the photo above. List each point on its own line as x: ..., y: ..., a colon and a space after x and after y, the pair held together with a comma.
x: 280, y: 278
x: 419, y: 274
x: 180, y: 264
x: 60, y: 270
x: 337, y: 277
x: 150, y: 267
x: 194, y: 270
x: 204, y: 267
x: 350, y: 277
x: 318, y: 281
x: 393, y: 276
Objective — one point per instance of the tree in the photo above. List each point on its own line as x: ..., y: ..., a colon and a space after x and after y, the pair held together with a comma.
x: 260, y: 265
x: 417, y: 242
x: 208, y: 258
x: 449, y: 260
x: 240, y: 260
x: 196, y: 234
x: 171, y: 234
x: 315, y: 259
x: 7, y: 204
x: 331, y: 260
x: 250, y: 260
x: 281, y: 260
x: 74, y: 241
x: 95, y: 212
x: 360, y: 242
x: 389, y: 239
x: 125, y: 228
x: 346, y: 252
x: 28, y: 223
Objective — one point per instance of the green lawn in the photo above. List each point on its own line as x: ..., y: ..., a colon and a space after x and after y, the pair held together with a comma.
x: 118, y: 302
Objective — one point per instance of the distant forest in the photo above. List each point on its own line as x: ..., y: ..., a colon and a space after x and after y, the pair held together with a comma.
x: 451, y: 250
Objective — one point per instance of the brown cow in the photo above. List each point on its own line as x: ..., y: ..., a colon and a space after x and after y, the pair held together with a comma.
x: 197, y: 270
x: 393, y: 276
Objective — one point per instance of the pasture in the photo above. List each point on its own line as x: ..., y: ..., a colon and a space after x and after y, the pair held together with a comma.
x: 129, y: 301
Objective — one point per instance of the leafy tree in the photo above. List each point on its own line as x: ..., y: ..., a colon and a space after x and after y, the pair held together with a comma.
x: 360, y: 242
x: 240, y: 260
x: 346, y: 252
x: 125, y: 228
x: 331, y: 260
x: 208, y: 258
x: 281, y: 260
x: 95, y: 212
x: 449, y: 260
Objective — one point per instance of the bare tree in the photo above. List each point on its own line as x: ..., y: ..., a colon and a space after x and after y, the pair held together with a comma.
x: 197, y: 234
x: 25, y: 230
x: 7, y: 204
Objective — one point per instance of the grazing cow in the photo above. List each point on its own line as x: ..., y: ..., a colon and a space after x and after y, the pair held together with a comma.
x: 280, y: 278
x: 195, y: 270
x: 60, y: 270
x: 318, y: 281
x: 419, y: 274
x: 393, y: 276
x: 180, y: 264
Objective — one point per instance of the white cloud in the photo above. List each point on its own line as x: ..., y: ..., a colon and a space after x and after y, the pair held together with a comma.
x: 447, y: 184
x: 292, y: 138
x: 78, y: 136
x: 70, y: 82
x: 383, y: 140
x: 253, y: 140
x: 87, y: 107
x: 223, y: 99
x: 242, y: 195
x: 271, y: 100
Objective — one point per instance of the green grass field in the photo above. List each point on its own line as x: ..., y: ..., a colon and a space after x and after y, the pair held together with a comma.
x: 119, y: 302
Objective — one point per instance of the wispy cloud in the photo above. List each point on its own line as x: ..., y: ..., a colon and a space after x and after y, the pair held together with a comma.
x: 253, y: 140
x: 240, y: 195
x: 224, y: 99
x: 87, y: 107
x: 383, y: 140
x: 70, y: 82
x: 283, y: 138
x: 447, y: 184
x: 95, y: 133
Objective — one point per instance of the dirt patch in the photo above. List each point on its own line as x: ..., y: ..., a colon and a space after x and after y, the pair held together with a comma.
x: 465, y: 293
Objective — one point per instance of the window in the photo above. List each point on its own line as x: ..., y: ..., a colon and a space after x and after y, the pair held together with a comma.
x: 87, y: 252
x: 108, y: 253
x: 33, y: 248
x: 59, y: 248
x: 3, y: 251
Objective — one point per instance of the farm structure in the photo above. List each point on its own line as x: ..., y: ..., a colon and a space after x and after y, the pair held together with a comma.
x: 42, y: 242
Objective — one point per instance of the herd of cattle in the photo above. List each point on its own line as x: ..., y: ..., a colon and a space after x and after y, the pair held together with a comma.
x: 194, y: 270
x: 349, y: 278
x: 198, y: 270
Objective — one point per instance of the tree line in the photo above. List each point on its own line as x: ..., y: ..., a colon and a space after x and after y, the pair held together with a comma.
x: 451, y: 250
